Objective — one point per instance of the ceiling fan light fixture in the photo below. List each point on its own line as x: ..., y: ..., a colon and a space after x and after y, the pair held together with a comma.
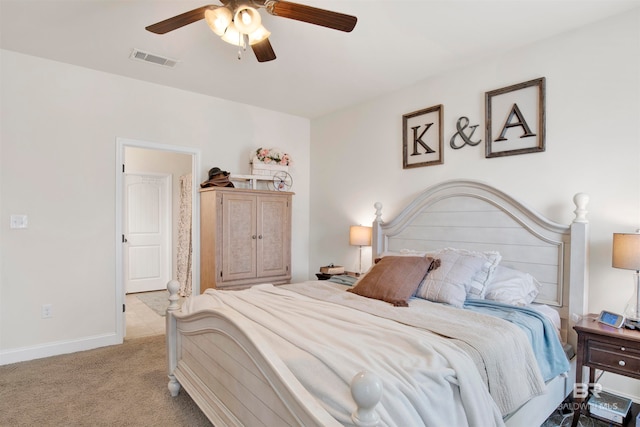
x: 233, y: 36
x: 259, y: 35
x: 218, y: 19
x: 247, y: 19
x: 238, y: 22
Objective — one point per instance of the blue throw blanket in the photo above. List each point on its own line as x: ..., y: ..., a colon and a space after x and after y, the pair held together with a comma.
x: 541, y: 332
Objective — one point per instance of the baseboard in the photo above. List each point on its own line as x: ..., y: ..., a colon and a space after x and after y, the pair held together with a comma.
x: 55, y: 348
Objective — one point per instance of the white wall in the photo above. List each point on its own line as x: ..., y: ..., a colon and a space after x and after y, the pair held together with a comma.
x: 58, y: 152
x: 593, y: 146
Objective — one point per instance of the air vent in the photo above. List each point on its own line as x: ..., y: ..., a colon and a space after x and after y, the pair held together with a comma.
x: 139, y: 55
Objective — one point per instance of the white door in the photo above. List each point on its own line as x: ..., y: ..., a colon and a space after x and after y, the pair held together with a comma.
x: 147, y: 232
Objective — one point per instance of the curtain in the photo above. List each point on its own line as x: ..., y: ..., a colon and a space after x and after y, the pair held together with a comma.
x: 184, y: 252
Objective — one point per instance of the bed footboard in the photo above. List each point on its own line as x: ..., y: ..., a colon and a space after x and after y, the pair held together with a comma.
x: 236, y: 380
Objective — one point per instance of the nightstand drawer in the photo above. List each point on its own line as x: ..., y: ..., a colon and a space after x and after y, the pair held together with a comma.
x: 616, y: 358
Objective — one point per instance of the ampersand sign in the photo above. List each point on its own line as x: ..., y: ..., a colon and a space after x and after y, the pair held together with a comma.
x: 461, y: 125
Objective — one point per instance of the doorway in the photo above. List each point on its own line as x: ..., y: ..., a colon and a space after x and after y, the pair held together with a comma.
x: 148, y: 183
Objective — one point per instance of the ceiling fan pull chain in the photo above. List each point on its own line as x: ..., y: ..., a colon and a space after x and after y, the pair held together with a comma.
x: 243, y: 40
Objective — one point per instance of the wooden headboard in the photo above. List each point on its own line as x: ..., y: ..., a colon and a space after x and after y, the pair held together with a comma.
x: 473, y: 215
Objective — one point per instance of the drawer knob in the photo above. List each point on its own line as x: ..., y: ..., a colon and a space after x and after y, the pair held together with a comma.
x: 622, y: 349
x: 621, y: 363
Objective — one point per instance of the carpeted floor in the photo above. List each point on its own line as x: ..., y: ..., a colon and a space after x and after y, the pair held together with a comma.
x: 158, y: 301
x: 124, y: 385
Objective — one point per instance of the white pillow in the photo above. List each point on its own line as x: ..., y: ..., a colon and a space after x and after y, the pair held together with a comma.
x: 512, y: 286
x: 462, y: 274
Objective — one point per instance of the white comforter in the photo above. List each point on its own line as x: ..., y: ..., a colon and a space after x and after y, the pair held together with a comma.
x: 427, y: 379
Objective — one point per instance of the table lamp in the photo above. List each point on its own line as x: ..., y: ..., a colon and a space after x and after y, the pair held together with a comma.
x: 626, y: 254
x: 360, y: 235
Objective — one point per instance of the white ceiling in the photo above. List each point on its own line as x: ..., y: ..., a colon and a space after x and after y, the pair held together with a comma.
x: 395, y: 44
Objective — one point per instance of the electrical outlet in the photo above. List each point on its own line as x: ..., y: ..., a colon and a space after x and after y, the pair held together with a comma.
x: 47, y: 311
x: 19, y: 221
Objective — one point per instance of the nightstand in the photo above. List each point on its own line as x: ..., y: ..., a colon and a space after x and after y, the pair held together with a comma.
x: 608, y: 349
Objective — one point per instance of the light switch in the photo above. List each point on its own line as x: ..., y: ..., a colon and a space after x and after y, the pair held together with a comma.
x: 18, y: 221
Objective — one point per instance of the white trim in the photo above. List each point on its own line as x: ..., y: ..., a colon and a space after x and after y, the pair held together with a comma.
x: 22, y: 354
x: 196, y: 154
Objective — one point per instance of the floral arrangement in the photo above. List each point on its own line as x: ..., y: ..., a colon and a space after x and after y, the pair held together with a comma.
x: 272, y: 156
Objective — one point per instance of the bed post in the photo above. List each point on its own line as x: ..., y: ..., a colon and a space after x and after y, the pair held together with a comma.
x: 579, y: 266
x: 366, y: 390
x: 377, y: 244
x: 172, y: 336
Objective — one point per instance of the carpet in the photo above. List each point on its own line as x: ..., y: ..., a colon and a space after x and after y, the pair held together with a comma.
x: 120, y: 385
x: 158, y: 301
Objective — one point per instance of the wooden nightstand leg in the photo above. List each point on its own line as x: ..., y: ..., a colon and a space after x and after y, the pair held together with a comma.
x: 579, y: 402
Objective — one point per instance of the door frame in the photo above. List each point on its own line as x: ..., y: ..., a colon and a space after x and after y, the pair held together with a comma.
x: 196, y: 154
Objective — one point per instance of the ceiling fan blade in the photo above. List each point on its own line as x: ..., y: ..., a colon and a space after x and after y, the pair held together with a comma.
x: 263, y: 50
x: 312, y: 15
x: 179, y: 21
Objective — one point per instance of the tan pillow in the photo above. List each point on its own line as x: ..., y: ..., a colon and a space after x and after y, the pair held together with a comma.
x: 394, y: 279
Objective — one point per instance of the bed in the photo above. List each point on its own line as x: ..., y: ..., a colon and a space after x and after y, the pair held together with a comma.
x: 250, y: 357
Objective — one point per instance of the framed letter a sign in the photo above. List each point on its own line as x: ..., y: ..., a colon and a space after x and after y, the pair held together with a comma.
x: 422, y: 138
x: 515, y: 119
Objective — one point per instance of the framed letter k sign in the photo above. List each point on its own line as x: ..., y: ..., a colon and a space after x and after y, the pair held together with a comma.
x: 422, y: 138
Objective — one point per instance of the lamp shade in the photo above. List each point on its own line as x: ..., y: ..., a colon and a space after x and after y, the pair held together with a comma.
x: 259, y: 35
x: 218, y: 19
x: 233, y: 36
x: 247, y: 19
x: 626, y: 251
x: 359, y: 235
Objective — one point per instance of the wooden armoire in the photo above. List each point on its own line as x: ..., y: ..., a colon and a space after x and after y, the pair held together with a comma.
x: 245, y: 237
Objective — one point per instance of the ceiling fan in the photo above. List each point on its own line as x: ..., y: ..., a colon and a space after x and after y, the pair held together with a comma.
x: 238, y: 22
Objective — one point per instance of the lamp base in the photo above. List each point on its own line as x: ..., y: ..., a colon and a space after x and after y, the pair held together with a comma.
x: 632, y: 310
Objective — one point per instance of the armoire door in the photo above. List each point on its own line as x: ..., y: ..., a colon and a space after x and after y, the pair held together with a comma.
x: 274, y: 246
x: 239, y: 236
